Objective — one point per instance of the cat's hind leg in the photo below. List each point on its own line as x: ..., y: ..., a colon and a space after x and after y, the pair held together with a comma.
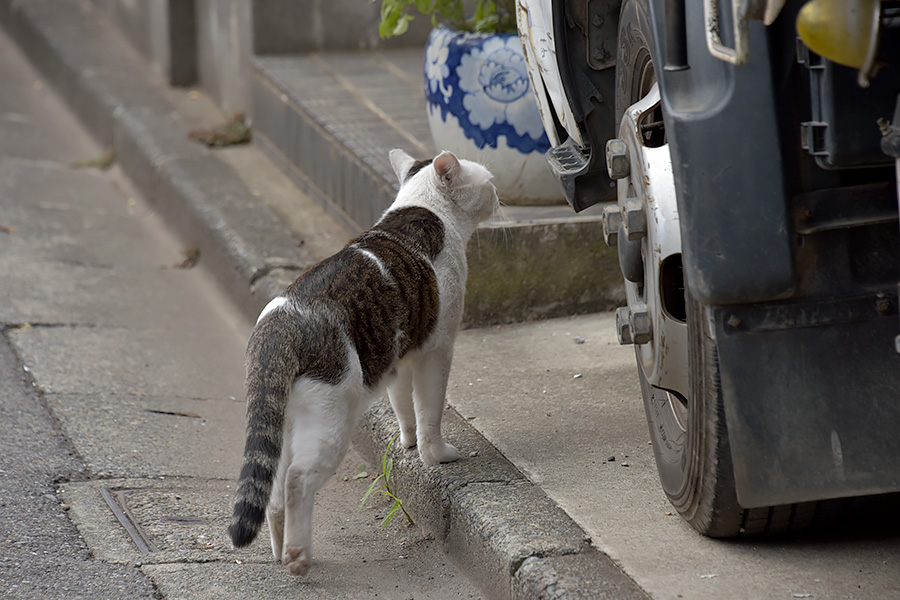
x: 430, y: 375
x: 400, y: 392
x: 320, y: 415
x: 275, y: 509
x: 300, y: 496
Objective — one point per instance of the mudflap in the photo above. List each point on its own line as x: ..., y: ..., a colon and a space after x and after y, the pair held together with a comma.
x: 812, y: 398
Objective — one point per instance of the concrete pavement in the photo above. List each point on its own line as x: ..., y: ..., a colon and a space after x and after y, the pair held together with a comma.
x: 535, y: 510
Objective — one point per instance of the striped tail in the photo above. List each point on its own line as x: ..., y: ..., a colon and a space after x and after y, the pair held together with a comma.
x: 270, y: 376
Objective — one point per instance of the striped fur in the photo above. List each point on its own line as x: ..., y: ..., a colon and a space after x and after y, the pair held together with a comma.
x: 341, y: 333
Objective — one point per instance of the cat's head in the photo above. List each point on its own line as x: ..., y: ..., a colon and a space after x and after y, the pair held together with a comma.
x: 465, y: 183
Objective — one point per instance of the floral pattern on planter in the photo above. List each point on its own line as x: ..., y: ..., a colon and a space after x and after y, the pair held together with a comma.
x: 482, y: 81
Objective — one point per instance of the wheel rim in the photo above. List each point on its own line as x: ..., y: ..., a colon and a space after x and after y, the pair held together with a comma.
x: 663, y: 361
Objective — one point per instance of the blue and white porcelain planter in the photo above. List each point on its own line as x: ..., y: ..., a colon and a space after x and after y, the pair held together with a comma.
x: 480, y: 107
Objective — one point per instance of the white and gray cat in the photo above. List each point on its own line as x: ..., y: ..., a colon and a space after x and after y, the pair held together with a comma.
x: 381, y: 313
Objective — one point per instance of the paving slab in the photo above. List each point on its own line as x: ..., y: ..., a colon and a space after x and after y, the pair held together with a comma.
x: 186, y: 521
x: 82, y: 274
x: 48, y: 222
x: 18, y: 130
x: 155, y: 362
x: 134, y: 435
x: 251, y: 580
x: 128, y: 110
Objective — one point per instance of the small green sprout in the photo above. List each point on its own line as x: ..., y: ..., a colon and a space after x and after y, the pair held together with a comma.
x: 387, y: 466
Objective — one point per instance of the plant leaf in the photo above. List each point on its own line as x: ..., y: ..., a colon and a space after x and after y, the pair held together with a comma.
x: 402, y: 25
x: 384, y: 30
x: 388, y: 517
x: 490, y: 16
x: 388, y: 468
x: 369, y: 492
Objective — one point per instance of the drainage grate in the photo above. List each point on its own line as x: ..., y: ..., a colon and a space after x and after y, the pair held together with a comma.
x: 119, y: 506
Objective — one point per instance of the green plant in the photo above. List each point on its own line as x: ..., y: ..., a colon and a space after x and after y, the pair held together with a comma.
x: 485, y: 16
x: 387, y: 467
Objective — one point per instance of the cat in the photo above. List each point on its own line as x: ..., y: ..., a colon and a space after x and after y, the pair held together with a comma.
x: 381, y: 313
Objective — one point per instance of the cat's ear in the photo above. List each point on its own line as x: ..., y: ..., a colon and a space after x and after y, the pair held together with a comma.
x: 402, y: 163
x: 447, y: 168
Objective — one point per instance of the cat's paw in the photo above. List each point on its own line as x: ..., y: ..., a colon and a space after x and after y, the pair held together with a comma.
x: 440, y: 452
x: 407, y: 438
x: 297, y: 560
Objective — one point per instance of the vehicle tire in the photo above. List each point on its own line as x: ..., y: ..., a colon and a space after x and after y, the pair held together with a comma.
x: 688, y: 430
x: 690, y: 442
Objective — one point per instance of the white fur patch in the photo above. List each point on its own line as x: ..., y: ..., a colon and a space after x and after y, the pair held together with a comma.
x: 275, y: 304
x: 371, y: 256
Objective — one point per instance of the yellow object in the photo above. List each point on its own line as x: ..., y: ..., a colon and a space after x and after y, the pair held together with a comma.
x: 840, y: 30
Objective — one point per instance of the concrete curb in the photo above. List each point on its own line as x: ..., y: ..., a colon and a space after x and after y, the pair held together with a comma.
x: 509, y: 536
x: 505, y: 532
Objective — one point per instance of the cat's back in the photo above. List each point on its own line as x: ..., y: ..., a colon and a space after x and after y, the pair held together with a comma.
x: 381, y: 287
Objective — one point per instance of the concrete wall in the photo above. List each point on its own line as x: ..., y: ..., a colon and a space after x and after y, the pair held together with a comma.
x: 224, y: 43
x: 164, y: 31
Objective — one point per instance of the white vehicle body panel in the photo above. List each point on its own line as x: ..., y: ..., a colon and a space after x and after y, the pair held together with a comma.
x: 535, y: 23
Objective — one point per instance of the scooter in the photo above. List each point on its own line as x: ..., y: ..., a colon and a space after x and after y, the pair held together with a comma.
x: 747, y: 156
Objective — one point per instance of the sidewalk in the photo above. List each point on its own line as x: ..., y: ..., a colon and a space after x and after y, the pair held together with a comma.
x: 535, y: 509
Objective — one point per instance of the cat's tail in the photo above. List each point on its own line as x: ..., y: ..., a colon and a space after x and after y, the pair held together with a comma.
x: 271, y: 371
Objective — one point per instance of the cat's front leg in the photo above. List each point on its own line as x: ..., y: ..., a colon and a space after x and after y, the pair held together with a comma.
x: 400, y: 392
x: 430, y: 377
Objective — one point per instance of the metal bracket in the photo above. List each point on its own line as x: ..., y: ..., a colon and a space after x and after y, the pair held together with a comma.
x: 602, y: 31
x: 738, y: 54
x: 741, y: 12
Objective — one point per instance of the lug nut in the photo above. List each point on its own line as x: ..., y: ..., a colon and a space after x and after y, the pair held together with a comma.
x: 634, y: 220
x: 617, y: 159
x: 633, y: 326
x: 623, y: 325
x: 611, y: 219
x: 641, y: 325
